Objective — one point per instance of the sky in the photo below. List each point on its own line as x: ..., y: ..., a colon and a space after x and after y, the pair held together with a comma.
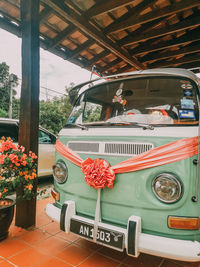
x: 55, y: 72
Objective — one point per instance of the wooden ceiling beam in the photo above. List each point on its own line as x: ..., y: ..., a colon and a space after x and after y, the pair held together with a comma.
x: 133, y: 11
x: 60, y: 53
x: 126, y: 68
x: 191, y: 66
x: 16, y: 30
x: 191, y: 36
x: 171, y: 63
x: 170, y: 29
x: 44, y: 13
x: 181, y: 51
x: 166, y: 11
x: 80, y: 48
x: 91, y: 31
x: 61, y: 36
x: 10, y: 27
x: 112, y: 64
x: 96, y: 58
x: 106, y: 6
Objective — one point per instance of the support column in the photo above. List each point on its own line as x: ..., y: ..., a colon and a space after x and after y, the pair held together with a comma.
x: 29, y: 105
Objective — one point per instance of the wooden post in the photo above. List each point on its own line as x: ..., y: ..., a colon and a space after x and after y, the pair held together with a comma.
x: 29, y: 105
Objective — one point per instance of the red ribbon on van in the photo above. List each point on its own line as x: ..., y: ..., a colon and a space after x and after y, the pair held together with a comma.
x: 101, y: 170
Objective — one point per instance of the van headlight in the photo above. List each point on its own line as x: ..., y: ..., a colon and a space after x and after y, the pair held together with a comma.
x: 167, y: 188
x: 60, y: 172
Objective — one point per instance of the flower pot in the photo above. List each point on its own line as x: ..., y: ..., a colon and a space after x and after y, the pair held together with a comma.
x: 6, y: 216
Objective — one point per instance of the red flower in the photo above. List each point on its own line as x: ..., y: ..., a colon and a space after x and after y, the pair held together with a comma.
x: 6, y: 145
x: 98, y: 173
x: 2, y: 157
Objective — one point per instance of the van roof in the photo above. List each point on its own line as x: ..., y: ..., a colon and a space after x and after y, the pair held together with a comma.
x: 184, y: 73
x: 167, y: 71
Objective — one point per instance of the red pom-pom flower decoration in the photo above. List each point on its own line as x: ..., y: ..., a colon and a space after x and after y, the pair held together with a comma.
x: 98, y: 173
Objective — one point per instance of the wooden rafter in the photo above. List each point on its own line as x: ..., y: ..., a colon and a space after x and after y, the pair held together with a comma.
x: 112, y: 64
x: 91, y: 31
x: 135, y: 10
x: 140, y: 35
x: 106, y: 6
x: 61, y: 36
x: 8, y: 26
x: 80, y: 48
x: 191, y: 65
x: 179, y: 61
x: 168, y: 54
x: 166, y: 11
x: 44, y: 13
x: 180, y: 26
x: 191, y: 36
x: 97, y: 58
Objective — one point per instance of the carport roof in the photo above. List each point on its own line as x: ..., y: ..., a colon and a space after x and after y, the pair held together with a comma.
x: 116, y: 35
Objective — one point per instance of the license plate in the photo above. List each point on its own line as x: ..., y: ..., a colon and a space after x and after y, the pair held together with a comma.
x: 105, y: 236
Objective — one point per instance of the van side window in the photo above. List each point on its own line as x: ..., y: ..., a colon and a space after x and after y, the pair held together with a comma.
x: 9, y: 130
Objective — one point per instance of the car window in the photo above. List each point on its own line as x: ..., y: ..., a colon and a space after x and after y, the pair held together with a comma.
x: 9, y: 130
x: 45, y: 138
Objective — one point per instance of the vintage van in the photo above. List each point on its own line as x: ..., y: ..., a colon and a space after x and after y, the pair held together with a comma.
x: 126, y: 173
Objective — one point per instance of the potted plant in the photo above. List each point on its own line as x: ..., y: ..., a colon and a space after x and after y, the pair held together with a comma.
x: 17, y: 170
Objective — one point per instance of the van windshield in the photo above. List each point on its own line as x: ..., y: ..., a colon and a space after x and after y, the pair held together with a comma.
x: 151, y: 101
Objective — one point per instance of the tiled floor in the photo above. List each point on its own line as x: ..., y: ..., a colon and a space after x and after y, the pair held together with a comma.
x: 46, y: 246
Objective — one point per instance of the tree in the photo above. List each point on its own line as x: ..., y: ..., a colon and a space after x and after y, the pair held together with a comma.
x: 54, y: 113
x: 3, y: 113
x: 7, y: 82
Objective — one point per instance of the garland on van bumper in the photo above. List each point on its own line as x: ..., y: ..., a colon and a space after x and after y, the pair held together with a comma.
x: 99, y: 174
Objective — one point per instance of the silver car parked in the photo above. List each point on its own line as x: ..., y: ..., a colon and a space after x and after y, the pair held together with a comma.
x: 47, y: 140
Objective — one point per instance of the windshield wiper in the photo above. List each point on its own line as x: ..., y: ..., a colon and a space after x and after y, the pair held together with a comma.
x: 77, y: 125
x: 140, y: 125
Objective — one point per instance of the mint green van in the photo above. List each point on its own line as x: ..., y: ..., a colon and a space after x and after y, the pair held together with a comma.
x: 126, y: 171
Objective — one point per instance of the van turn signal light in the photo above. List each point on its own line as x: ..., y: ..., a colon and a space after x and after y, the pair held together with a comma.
x: 183, y: 223
x: 55, y: 195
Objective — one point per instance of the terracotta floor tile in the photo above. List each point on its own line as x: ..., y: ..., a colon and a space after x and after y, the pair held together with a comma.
x: 15, y: 231
x: 12, y: 247
x: 53, y: 263
x: 6, y: 264
x: 173, y: 263
x: 41, y: 204
x: 192, y: 264
x: 69, y: 237
x: 98, y: 260
x: 42, y: 219
x: 28, y: 258
x: 74, y: 254
x: 51, y: 228
x: 142, y: 261
x: 34, y: 236
x: 52, y: 245
x: 114, y: 254
x: 187, y: 264
x: 88, y: 244
x: 170, y: 264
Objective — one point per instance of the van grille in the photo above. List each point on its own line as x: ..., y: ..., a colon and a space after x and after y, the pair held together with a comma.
x: 110, y: 148
x: 84, y: 146
x: 130, y: 149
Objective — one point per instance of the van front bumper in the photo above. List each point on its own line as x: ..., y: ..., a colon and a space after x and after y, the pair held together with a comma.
x: 133, y: 239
